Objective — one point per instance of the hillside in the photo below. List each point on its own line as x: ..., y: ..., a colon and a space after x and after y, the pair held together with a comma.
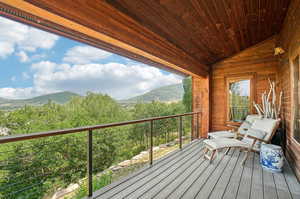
x: 59, y: 98
x: 164, y: 94
x: 169, y: 93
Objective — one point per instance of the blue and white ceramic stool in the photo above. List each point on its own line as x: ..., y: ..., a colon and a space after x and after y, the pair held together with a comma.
x: 271, y: 157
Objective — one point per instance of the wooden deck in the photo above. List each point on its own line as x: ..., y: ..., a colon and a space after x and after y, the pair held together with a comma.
x: 185, y: 174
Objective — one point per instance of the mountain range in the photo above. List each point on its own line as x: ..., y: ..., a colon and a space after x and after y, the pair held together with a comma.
x: 59, y: 98
x: 171, y: 93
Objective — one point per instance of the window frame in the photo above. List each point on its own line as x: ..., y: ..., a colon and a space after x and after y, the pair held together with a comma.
x: 293, y: 59
x: 234, y: 78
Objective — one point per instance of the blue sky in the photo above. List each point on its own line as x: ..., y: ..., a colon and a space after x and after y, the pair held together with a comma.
x: 34, y: 62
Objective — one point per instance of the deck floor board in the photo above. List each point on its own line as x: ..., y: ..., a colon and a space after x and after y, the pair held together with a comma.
x: 186, y: 174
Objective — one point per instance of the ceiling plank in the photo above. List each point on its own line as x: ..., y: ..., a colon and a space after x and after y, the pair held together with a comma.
x: 191, y: 34
x: 122, y: 34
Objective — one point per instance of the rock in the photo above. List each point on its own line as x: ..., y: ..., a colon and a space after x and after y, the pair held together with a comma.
x: 171, y: 144
x: 62, y: 192
x: 115, y: 168
x: 137, y: 157
x: 163, y: 145
x: 144, y: 152
x: 124, y: 163
x: 156, y: 148
x: 4, y: 131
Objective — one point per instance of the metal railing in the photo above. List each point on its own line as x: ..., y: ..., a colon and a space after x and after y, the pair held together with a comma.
x: 89, y: 147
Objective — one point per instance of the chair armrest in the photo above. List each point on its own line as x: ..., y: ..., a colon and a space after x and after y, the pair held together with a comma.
x: 256, y: 139
x: 232, y: 126
x: 238, y: 135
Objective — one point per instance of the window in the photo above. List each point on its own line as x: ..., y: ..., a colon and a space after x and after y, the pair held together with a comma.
x: 296, y: 115
x: 239, y: 99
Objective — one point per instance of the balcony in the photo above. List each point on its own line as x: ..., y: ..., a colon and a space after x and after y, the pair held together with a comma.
x: 181, y: 173
x: 215, y: 42
x: 186, y: 174
x: 85, y: 157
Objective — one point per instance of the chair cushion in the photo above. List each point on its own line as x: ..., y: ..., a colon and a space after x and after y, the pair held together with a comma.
x: 224, y: 143
x: 255, y: 133
x: 265, y: 125
x: 252, y: 118
x: 244, y: 127
x: 221, y: 134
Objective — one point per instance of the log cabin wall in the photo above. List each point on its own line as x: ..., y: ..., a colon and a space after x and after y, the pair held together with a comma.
x: 289, y: 40
x: 258, y: 61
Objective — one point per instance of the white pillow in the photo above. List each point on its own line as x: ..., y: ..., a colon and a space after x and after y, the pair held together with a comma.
x: 244, y: 127
x: 252, y: 118
x: 254, y: 133
x: 266, y: 125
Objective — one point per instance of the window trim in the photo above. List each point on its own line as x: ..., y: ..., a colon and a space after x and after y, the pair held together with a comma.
x: 238, y: 77
x: 293, y: 112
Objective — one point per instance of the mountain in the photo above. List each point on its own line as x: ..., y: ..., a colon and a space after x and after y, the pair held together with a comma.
x: 169, y: 93
x: 164, y: 94
x: 3, y: 100
x: 59, y: 98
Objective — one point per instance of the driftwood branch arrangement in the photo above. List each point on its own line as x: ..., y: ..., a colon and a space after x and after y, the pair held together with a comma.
x: 270, y: 108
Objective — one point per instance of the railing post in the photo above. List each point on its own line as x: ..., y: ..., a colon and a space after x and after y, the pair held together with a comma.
x: 151, y: 142
x: 197, y: 125
x: 90, y: 163
x: 180, y: 132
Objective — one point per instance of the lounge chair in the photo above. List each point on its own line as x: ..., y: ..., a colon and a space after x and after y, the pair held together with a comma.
x: 262, y: 130
x: 241, y: 129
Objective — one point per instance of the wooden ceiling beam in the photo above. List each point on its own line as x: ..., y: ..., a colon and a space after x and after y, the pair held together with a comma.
x: 102, y: 22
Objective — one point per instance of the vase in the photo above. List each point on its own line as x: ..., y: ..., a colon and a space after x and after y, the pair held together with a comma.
x: 271, y: 157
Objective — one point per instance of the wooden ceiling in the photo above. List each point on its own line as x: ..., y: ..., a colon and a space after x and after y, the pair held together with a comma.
x: 209, y: 30
x: 191, y: 34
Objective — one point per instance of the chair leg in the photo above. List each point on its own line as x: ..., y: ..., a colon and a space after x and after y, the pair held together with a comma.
x: 205, y: 151
x: 227, y: 150
x: 246, y: 157
x: 212, y: 156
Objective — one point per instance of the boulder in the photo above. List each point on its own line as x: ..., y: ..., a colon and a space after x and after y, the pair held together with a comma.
x: 144, y: 152
x: 4, y: 131
x: 62, y: 192
x: 115, y: 168
x: 137, y: 157
x: 124, y: 163
x: 156, y: 148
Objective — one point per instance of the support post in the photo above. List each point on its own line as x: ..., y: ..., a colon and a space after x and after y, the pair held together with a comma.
x: 201, y: 103
x: 90, y: 163
x: 180, y: 132
x: 197, y: 125
x: 151, y: 143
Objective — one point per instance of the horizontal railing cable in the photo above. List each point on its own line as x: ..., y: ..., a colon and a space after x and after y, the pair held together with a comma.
x: 27, y: 171
x: 15, y: 138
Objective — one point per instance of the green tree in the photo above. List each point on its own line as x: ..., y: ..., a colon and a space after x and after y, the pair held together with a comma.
x: 187, y: 96
x: 36, y: 168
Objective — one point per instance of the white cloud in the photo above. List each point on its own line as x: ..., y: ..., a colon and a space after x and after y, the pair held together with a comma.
x: 17, y: 93
x: 80, y: 71
x: 6, y: 48
x: 85, y: 55
x: 25, y: 76
x: 14, y: 35
x: 38, y: 56
x: 23, y: 56
x: 117, y: 80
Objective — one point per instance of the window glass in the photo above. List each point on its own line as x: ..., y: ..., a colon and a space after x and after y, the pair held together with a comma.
x: 239, y: 100
x: 296, y: 99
